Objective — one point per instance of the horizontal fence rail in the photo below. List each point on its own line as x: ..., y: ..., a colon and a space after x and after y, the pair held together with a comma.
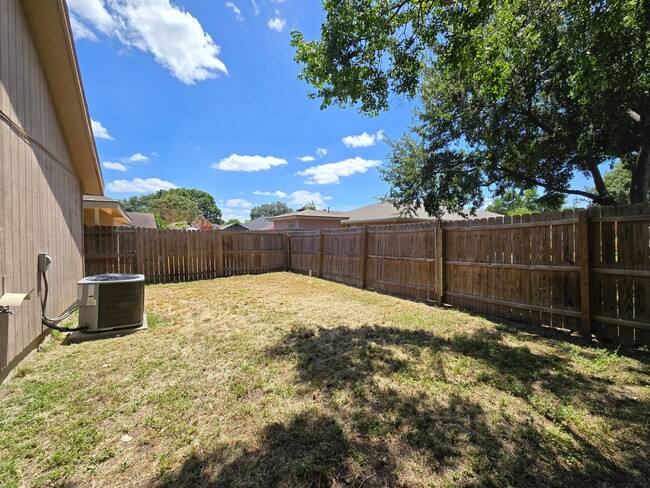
x: 587, y: 271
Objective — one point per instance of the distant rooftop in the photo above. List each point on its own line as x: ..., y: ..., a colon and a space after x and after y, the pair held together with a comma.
x: 385, y: 211
x: 320, y: 214
x: 260, y: 223
x: 142, y: 219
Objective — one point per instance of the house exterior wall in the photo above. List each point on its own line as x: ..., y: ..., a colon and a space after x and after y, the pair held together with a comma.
x: 104, y: 218
x: 298, y: 223
x: 40, y: 192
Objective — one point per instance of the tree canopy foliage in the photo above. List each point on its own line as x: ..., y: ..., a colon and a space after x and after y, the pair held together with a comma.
x: 514, y: 202
x: 174, y: 207
x: 618, y: 182
x: 308, y: 206
x: 514, y: 94
x: 180, y: 206
x: 270, y: 210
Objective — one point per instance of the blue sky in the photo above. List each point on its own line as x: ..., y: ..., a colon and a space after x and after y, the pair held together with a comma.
x: 205, y: 94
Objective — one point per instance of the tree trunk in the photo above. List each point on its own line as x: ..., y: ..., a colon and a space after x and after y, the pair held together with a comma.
x: 599, y: 183
x: 640, y: 187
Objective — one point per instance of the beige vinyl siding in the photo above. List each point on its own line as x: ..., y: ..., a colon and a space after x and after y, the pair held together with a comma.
x: 40, y: 193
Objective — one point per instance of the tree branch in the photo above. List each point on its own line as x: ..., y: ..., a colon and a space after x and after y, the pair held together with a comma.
x: 534, y: 181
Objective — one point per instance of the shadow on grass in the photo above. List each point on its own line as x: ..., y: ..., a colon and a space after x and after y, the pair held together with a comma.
x: 375, y: 418
x: 310, y: 450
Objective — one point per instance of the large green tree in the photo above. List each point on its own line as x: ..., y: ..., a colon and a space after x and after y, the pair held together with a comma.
x: 138, y: 203
x: 270, y: 210
x: 514, y: 202
x: 175, y: 208
x: 177, y: 201
x: 203, y: 200
x: 515, y: 94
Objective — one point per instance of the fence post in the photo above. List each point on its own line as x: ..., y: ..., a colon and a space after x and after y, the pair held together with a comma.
x: 219, y: 253
x: 440, y: 262
x: 582, y: 238
x: 287, y: 251
x: 139, y: 268
x: 364, y: 256
x: 320, y: 252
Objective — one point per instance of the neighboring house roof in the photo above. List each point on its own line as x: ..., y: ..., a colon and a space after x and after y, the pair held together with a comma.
x: 50, y: 25
x: 260, y: 223
x: 385, y: 211
x: 143, y: 219
x: 233, y: 227
x: 108, y: 205
x: 312, y: 214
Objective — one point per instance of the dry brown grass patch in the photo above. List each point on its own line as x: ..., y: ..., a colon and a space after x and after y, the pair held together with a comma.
x: 285, y: 380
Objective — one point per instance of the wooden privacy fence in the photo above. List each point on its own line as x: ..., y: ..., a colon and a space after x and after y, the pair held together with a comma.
x: 397, y: 259
x: 587, y: 271
x: 168, y: 256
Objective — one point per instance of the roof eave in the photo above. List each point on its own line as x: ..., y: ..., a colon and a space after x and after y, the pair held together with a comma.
x: 289, y: 217
x: 52, y: 32
x: 391, y: 219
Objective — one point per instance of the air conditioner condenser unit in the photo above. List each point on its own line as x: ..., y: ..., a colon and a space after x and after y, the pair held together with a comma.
x: 111, y: 301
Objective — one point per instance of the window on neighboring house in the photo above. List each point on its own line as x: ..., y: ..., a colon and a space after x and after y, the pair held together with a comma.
x: 291, y: 225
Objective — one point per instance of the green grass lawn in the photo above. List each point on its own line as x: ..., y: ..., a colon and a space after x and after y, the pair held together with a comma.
x: 282, y: 380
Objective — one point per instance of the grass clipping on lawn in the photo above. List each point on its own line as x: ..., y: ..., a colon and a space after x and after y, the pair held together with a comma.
x: 288, y: 381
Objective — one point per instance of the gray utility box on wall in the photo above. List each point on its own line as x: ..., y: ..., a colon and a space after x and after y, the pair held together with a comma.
x: 111, y: 301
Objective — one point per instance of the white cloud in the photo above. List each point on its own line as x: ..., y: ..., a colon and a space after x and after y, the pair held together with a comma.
x: 331, y: 173
x: 306, y: 159
x: 238, y: 203
x: 321, y: 151
x: 363, y: 140
x: 277, y: 24
x: 235, y: 162
x: 99, y: 130
x: 80, y: 31
x: 256, y: 9
x: 114, y: 166
x: 139, y: 185
x: 302, y: 197
x: 122, y: 165
x: 235, y: 10
x: 137, y: 158
x: 174, y: 37
x: 94, y: 12
x: 279, y: 194
x: 233, y: 213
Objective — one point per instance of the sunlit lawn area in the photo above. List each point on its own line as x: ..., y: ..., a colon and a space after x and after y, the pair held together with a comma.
x: 285, y: 380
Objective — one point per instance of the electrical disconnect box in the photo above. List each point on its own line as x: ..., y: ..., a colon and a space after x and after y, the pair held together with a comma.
x: 44, y: 261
